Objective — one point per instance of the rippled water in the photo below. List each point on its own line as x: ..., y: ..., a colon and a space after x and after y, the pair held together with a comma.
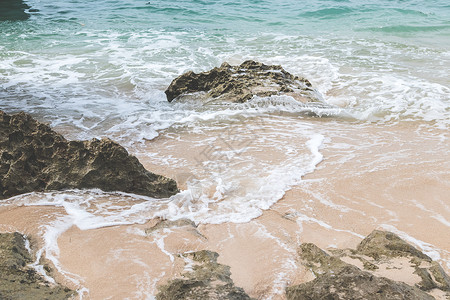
x: 84, y: 63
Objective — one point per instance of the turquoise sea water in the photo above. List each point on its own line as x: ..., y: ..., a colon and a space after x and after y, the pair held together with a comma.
x: 401, y: 18
x: 110, y: 60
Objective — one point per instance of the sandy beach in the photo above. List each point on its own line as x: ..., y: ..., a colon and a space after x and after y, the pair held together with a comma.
x: 367, y: 180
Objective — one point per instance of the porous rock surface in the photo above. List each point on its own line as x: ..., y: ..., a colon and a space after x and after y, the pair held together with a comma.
x: 241, y: 83
x: 33, y: 157
x: 336, y: 279
x: 206, y: 280
x: 19, y: 281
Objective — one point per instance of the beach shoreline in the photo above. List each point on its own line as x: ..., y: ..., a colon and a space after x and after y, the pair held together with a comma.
x: 333, y: 207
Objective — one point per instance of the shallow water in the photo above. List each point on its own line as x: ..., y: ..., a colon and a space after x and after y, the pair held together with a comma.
x: 257, y: 178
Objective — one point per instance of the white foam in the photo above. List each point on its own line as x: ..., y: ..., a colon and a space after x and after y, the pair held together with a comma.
x: 51, y: 234
x: 441, y: 219
x: 238, y: 196
x: 40, y: 268
x: 300, y: 218
x: 136, y: 231
x: 324, y: 199
x: 159, y: 241
x: 264, y: 233
x: 280, y: 283
x: 27, y: 244
x: 188, y: 263
x: 434, y: 215
x: 287, y: 265
x: 116, y: 91
x: 146, y: 285
x: 36, y: 265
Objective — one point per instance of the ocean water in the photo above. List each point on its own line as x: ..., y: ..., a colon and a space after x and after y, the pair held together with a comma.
x: 85, y: 63
x: 100, y: 68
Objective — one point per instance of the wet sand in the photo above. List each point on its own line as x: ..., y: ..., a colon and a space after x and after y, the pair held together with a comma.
x: 393, y: 178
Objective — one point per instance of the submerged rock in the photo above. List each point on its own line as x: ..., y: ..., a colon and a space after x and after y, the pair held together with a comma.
x: 17, y: 280
x: 338, y: 279
x: 33, y: 157
x: 13, y: 10
x: 206, y: 280
x: 241, y: 83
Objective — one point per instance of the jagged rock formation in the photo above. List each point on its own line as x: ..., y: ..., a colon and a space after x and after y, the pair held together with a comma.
x: 337, y: 279
x: 17, y: 280
x: 206, y: 280
x: 241, y: 83
x: 33, y: 157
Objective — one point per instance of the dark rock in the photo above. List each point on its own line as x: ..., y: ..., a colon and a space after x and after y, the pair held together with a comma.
x: 440, y: 278
x: 17, y: 280
x: 318, y: 260
x: 383, y: 243
x: 35, y: 158
x: 241, y: 83
x: 349, y: 282
x: 336, y: 279
x: 208, y: 280
x: 13, y: 10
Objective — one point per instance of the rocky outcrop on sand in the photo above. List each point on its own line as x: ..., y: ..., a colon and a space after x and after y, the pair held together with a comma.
x: 33, y: 157
x: 204, y: 279
x: 19, y: 281
x: 370, y: 272
x: 381, y: 246
x: 241, y: 83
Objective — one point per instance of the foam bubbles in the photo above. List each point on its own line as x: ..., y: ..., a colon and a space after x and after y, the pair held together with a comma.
x: 237, y: 196
x: 110, y: 83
